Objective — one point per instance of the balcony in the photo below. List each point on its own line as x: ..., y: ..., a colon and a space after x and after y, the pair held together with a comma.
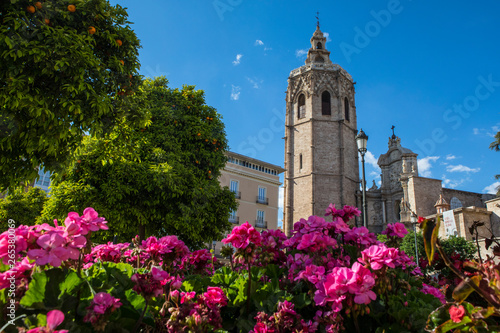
x: 260, y: 224
x: 234, y: 219
x: 262, y: 200
x: 237, y: 194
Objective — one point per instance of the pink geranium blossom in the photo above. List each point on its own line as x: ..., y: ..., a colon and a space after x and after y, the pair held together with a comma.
x: 101, y: 306
x: 456, y: 313
x: 395, y: 230
x: 20, y: 271
x: 360, y: 236
x: 242, y: 236
x: 53, y: 250
x: 91, y: 221
x: 361, y: 284
x: 378, y: 256
x: 54, y: 319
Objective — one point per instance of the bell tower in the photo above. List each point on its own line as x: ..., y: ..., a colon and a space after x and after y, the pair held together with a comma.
x: 321, y: 157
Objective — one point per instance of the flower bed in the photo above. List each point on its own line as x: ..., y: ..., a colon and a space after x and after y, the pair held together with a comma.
x: 326, y: 277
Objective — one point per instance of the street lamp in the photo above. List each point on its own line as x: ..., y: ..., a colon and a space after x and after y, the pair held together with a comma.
x: 414, y: 221
x: 361, y: 140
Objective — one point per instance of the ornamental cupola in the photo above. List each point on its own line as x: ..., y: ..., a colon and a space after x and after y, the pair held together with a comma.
x: 318, y: 54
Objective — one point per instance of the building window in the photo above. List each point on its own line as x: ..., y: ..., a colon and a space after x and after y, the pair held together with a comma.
x: 319, y: 46
x: 326, y: 107
x: 233, y: 218
x: 455, y: 203
x: 261, y: 222
x: 234, y: 187
x: 346, y: 108
x: 300, y: 161
x: 261, y: 197
x: 301, y: 111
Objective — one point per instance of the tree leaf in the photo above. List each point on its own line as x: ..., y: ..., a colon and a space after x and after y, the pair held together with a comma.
x: 464, y: 289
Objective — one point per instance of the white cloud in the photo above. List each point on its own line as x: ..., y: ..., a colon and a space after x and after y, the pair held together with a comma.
x: 424, y: 165
x: 370, y: 159
x: 255, y: 82
x: 492, y: 189
x: 450, y: 157
x: 258, y: 42
x: 451, y: 183
x: 461, y: 168
x: 327, y: 35
x: 238, y: 59
x: 268, y: 48
x: 487, y: 131
x: 300, y: 53
x: 235, y: 92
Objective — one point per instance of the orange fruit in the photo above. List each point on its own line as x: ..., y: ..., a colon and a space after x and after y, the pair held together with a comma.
x: 122, y: 62
x: 47, y: 21
x: 119, y: 42
x: 79, y: 161
x: 199, y: 134
x: 30, y: 9
x: 91, y: 30
x: 38, y: 5
x: 72, y: 8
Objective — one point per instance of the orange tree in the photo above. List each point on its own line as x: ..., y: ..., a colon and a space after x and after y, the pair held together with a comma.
x: 63, y: 67
x: 161, y: 179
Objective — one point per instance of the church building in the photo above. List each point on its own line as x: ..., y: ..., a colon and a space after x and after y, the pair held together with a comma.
x: 322, y: 167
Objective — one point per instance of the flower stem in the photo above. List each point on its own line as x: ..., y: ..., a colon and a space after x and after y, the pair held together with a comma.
x: 249, y: 287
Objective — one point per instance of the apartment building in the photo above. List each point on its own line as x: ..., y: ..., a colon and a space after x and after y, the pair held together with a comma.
x: 255, y: 185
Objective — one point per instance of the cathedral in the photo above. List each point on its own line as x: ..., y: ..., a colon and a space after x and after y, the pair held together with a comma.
x: 322, y: 166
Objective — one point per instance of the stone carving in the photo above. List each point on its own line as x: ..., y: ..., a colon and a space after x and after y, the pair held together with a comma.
x: 300, y: 83
x: 325, y: 80
x: 376, y: 217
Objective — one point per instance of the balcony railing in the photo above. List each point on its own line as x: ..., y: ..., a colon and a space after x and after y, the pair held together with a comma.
x: 237, y: 194
x: 234, y: 219
x: 263, y: 200
x: 261, y: 224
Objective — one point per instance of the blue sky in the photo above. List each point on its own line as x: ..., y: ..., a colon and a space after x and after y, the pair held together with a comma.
x: 431, y: 69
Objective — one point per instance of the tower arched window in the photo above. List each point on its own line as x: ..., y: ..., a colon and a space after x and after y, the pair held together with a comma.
x: 319, y: 46
x: 326, y: 106
x: 301, y: 110
x: 300, y: 161
x: 346, y: 109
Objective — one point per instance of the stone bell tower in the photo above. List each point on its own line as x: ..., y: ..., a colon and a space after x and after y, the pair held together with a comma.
x: 321, y: 157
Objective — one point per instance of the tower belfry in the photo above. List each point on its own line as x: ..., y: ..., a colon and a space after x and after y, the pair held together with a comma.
x: 321, y: 158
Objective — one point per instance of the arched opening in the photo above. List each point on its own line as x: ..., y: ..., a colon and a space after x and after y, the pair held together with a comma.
x: 326, y: 107
x: 319, y: 46
x: 455, y: 203
x: 301, y: 110
x: 346, y: 109
x: 300, y: 161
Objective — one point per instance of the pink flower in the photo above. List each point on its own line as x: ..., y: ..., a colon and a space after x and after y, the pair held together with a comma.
x: 456, y: 313
x: 102, y: 304
x: 20, y: 243
x: 214, y: 296
x: 345, y: 214
x: 242, y: 236
x: 426, y: 289
x: 378, y: 256
x: 90, y: 221
x: 395, y: 230
x: 360, y: 236
x: 21, y: 270
x: 312, y: 273
x: 54, y: 319
x: 334, y: 287
x: 361, y: 284
x: 53, y: 251
x: 146, y: 285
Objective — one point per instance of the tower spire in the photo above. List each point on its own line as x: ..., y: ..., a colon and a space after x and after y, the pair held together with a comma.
x: 317, y: 20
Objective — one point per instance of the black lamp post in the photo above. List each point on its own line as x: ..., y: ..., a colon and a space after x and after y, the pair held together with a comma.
x: 414, y: 221
x: 361, y: 140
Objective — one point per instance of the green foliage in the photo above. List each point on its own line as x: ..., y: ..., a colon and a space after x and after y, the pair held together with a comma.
x: 163, y: 177
x: 24, y: 207
x: 60, y: 81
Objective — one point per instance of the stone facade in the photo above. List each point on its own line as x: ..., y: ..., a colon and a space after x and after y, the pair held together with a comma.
x: 321, y: 158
